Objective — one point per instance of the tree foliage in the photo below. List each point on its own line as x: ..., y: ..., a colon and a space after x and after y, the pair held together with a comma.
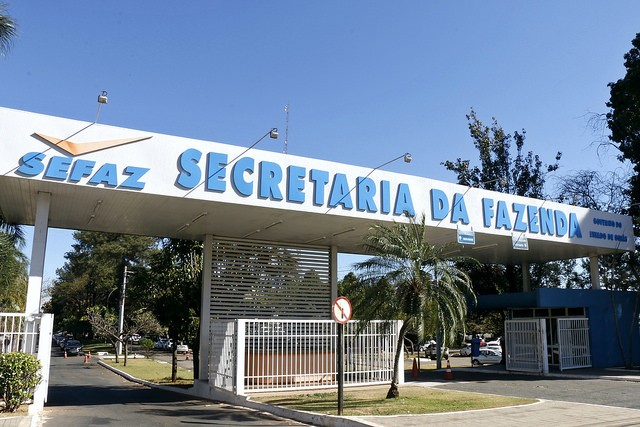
x: 105, y: 325
x: 522, y: 173
x: 623, y: 118
x: 13, y: 268
x: 13, y: 276
x: 7, y: 29
x: 92, y: 276
x: 175, y: 279
x: 409, y: 279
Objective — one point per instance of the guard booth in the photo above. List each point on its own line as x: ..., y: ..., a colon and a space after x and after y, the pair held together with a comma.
x: 558, y: 328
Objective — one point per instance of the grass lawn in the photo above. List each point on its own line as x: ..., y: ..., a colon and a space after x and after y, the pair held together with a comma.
x: 152, y: 371
x: 372, y: 401
x: 95, y: 347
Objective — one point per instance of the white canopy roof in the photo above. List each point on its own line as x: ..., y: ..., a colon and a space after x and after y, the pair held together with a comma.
x: 119, y: 180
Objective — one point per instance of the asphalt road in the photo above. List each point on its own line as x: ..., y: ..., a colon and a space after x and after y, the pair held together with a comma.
x: 622, y: 394
x: 90, y: 395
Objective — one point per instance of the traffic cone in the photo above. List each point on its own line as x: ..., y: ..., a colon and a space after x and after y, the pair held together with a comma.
x: 415, y: 373
x: 65, y: 354
x: 89, y: 354
x: 86, y: 359
x: 448, y: 375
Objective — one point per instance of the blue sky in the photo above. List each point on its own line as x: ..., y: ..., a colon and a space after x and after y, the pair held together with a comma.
x: 366, y: 81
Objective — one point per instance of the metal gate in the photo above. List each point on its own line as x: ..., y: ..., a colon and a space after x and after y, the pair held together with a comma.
x: 526, y: 345
x: 573, y: 343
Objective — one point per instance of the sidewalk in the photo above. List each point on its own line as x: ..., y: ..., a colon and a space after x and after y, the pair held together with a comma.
x: 545, y: 412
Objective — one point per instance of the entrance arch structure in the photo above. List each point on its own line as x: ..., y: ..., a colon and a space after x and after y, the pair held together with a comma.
x: 63, y: 173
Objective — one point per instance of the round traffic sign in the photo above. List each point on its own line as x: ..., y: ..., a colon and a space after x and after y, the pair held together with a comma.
x: 341, y: 310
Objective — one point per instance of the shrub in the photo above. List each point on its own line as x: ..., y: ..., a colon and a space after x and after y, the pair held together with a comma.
x: 147, y: 345
x: 19, y: 374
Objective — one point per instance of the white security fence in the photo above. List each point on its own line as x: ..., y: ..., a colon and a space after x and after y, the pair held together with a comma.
x: 30, y: 334
x: 573, y: 343
x: 526, y: 345
x: 267, y: 355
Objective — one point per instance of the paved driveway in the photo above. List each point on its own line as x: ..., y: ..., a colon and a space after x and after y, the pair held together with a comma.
x: 89, y: 395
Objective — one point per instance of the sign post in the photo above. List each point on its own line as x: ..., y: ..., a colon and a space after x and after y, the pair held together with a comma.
x: 341, y: 312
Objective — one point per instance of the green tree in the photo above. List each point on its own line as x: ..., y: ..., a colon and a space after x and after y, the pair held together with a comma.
x: 175, y: 279
x: 105, y: 325
x: 623, y: 118
x: 618, y: 271
x: 13, y: 276
x: 92, y: 276
x: 409, y: 279
x: 13, y: 268
x: 7, y: 29
x: 523, y: 174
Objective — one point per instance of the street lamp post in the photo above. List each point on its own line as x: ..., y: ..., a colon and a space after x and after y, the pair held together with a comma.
x: 121, y: 313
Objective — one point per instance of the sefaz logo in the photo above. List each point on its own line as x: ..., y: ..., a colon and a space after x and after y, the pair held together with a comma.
x: 62, y: 168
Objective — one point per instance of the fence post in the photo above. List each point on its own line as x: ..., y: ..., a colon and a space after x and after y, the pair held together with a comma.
x: 44, y: 355
x: 542, y: 344
x: 240, y: 351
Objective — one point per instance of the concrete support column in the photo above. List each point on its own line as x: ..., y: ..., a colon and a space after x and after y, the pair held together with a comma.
x: 38, y: 250
x: 205, y: 308
x: 595, y: 273
x: 333, y: 268
x: 526, y: 277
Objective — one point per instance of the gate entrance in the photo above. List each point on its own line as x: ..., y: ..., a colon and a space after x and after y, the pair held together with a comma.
x: 530, y: 344
x: 573, y: 343
x: 526, y: 345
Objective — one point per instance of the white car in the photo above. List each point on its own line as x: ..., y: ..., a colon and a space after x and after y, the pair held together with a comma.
x: 465, y: 350
x: 492, y: 346
x: 487, y: 356
x: 182, y: 349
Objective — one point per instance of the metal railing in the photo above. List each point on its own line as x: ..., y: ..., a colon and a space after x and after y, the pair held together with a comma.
x: 19, y: 333
x: 30, y: 334
x: 573, y: 343
x: 268, y: 355
x: 526, y: 345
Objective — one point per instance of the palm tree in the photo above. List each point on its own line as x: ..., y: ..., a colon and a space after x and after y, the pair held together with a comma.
x: 13, y: 275
x: 7, y: 29
x: 412, y: 280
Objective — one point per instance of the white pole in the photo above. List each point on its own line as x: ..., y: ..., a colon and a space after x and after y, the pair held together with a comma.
x: 38, y: 249
x: 121, y: 315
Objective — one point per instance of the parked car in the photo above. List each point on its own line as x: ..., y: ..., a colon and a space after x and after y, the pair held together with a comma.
x: 164, y: 344
x: 495, y: 345
x: 465, y: 350
x: 182, y: 349
x: 487, y: 356
x: 134, y: 339
x: 431, y: 351
x: 72, y: 347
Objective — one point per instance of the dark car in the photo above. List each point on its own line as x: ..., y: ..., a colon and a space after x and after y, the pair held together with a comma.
x: 72, y: 347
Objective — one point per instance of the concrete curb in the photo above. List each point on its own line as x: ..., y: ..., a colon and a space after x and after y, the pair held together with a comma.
x: 204, y: 392
x: 241, y: 401
x: 566, y: 374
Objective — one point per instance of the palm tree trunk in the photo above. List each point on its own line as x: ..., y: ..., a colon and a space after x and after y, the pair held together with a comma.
x: 393, y: 389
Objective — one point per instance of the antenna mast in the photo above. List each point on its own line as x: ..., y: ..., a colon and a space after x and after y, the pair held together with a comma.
x: 286, y: 129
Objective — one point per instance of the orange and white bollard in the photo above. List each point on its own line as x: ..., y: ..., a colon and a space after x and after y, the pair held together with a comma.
x: 448, y: 375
